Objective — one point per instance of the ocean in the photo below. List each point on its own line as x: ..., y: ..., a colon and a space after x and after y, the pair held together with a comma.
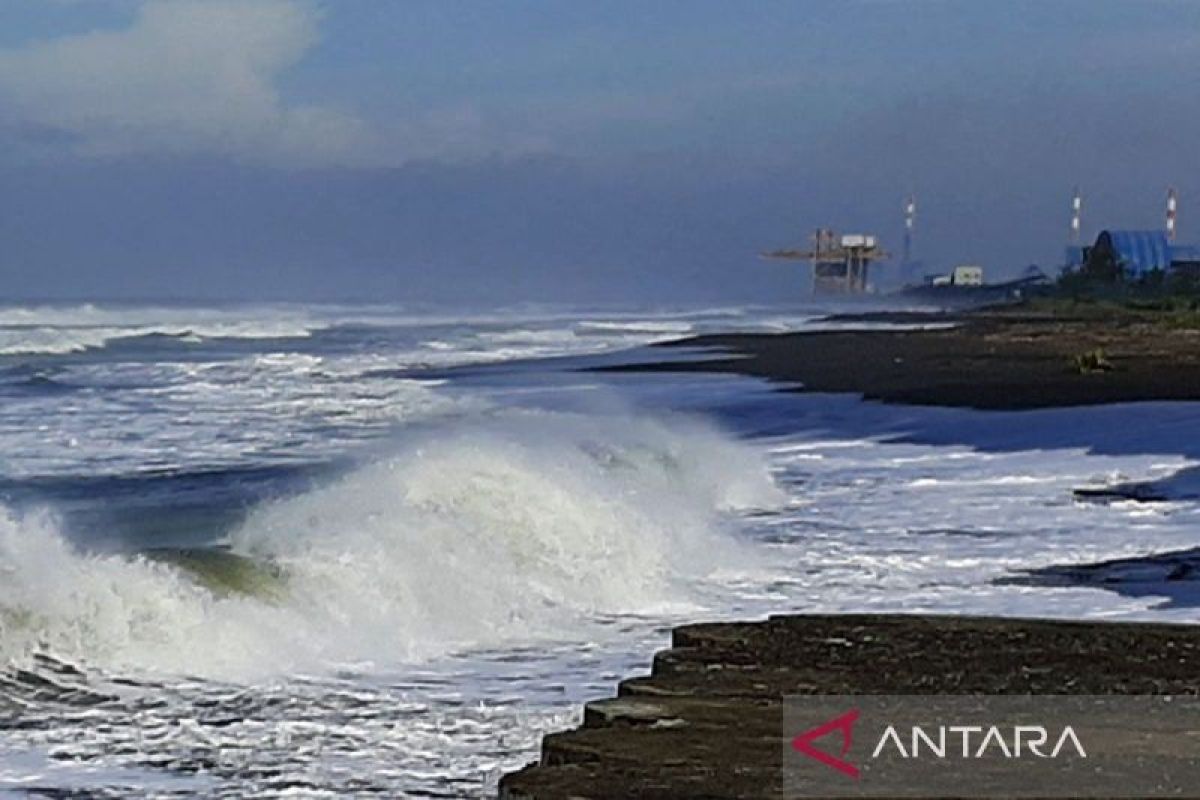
x: 325, y: 551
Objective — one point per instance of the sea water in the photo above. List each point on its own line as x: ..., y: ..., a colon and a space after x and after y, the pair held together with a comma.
x: 293, y: 551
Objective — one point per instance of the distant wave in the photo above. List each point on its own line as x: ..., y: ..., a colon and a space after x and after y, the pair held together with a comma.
x: 57, y: 330
x: 60, y: 341
x: 522, y: 528
x: 30, y: 378
x: 473, y: 336
x: 649, y: 326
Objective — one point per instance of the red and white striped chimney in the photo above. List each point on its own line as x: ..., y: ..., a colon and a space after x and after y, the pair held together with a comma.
x: 1076, y: 215
x: 1172, y: 205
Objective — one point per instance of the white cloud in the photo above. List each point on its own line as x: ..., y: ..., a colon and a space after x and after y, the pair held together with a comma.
x: 187, y: 76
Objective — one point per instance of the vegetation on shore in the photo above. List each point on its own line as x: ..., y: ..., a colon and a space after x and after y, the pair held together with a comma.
x: 1103, y: 289
x: 1167, y: 311
x: 1092, y: 361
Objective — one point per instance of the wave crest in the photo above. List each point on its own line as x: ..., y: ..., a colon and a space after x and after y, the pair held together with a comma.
x: 58, y: 330
x: 523, y: 528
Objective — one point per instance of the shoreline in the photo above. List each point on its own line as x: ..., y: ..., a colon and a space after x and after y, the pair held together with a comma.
x: 708, y: 720
x: 1011, y: 359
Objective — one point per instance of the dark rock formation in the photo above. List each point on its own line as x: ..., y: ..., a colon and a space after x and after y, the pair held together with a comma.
x: 707, y: 721
x: 1172, y: 577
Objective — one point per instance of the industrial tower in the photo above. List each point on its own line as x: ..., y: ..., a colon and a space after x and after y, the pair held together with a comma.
x: 910, y: 218
x: 1076, y: 218
x: 1172, y: 204
x: 840, y: 265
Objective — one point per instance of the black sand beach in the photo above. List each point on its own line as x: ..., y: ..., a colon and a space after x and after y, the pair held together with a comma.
x: 988, y: 360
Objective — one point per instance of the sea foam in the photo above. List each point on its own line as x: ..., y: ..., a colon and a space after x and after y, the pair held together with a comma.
x: 526, y: 527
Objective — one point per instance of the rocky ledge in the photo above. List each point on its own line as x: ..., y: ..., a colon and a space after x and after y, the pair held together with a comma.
x: 707, y: 721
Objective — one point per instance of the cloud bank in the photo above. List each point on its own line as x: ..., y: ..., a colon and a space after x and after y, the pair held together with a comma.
x: 185, y: 77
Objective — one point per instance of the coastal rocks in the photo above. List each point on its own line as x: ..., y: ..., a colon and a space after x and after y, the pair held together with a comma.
x: 1173, y: 577
x: 707, y: 721
x: 1182, y: 485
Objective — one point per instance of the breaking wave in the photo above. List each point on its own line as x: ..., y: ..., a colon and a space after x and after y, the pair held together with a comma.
x: 57, y: 330
x: 522, y: 528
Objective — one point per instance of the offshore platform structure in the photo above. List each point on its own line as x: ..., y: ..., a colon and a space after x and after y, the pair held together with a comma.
x: 840, y: 264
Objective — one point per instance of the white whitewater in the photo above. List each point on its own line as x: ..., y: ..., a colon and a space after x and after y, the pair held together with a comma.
x: 528, y: 527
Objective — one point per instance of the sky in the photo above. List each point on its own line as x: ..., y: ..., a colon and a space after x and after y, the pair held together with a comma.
x: 608, y: 151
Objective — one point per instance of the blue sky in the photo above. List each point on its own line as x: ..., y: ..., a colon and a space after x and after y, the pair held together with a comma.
x: 567, y: 150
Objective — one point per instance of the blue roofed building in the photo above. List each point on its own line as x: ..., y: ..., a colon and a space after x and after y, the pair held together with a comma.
x: 1136, y: 252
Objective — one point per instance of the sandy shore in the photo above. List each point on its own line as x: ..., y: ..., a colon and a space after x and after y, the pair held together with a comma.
x: 988, y: 360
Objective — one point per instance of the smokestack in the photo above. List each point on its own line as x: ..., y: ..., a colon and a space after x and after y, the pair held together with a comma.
x: 910, y: 218
x: 1172, y: 203
x: 1076, y: 215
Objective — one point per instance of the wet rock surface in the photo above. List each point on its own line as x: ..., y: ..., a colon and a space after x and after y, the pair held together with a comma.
x: 1174, y: 577
x: 707, y: 721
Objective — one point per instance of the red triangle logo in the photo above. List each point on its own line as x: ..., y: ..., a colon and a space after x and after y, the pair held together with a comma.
x: 843, y: 724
